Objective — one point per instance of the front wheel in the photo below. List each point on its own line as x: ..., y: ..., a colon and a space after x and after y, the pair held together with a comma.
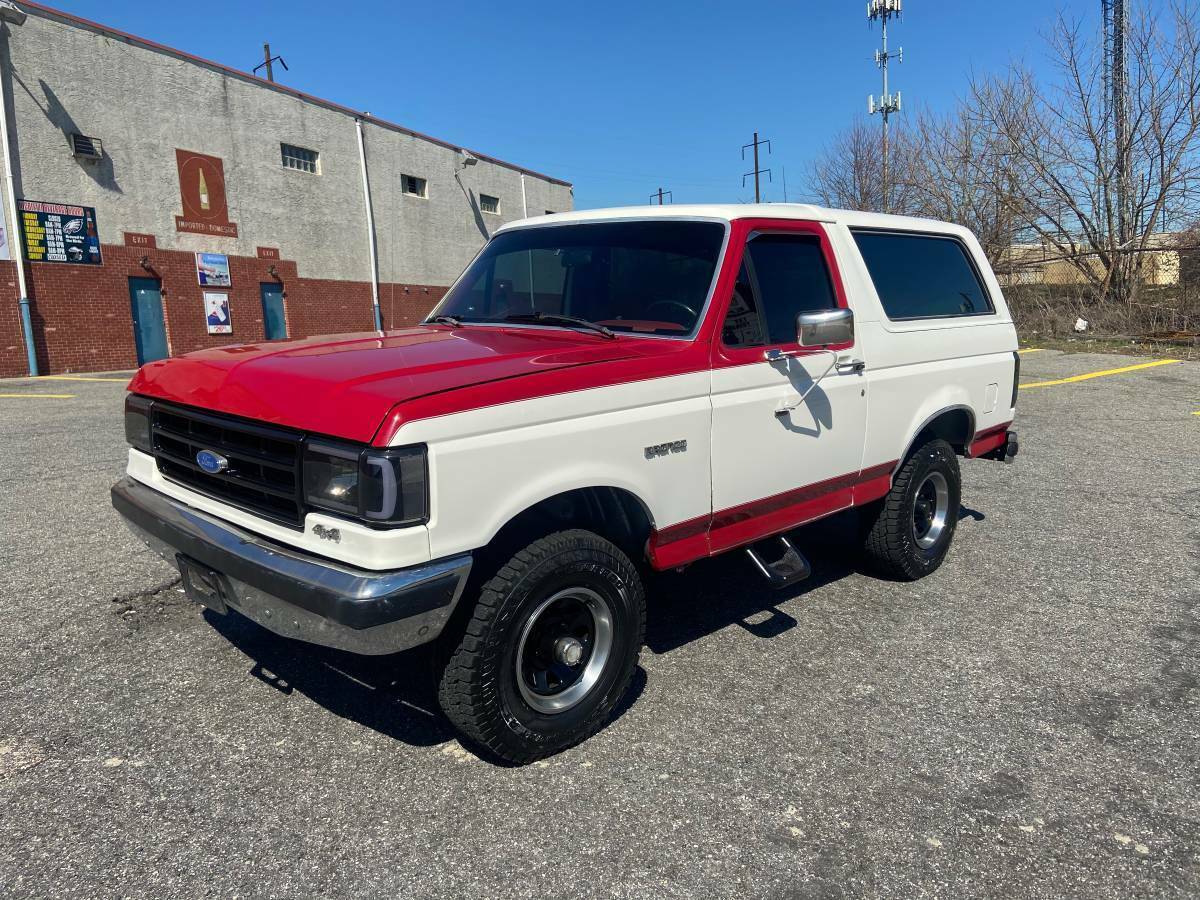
x: 549, y: 650
x: 914, y: 524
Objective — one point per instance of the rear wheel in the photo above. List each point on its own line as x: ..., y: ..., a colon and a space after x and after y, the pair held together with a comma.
x: 549, y: 649
x: 914, y: 524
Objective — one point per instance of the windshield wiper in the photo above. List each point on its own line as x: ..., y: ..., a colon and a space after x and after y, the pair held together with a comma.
x: 445, y: 320
x: 555, y: 318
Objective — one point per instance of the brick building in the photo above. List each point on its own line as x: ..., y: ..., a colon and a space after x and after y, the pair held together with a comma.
x: 140, y: 171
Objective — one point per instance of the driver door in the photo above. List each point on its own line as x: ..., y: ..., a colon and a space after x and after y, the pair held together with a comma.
x: 776, y: 464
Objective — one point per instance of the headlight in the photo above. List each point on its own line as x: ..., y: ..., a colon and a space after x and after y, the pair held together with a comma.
x: 137, y: 422
x: 381, y: 486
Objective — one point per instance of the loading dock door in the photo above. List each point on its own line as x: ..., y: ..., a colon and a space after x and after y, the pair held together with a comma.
x: 274, y: 324
x: 149, y: 331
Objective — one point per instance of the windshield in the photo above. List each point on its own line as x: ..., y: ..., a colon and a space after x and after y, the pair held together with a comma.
x: 644, y: 277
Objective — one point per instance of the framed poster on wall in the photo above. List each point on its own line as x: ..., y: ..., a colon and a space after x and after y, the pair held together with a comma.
x: 216, y: 312
x: 212, y: 270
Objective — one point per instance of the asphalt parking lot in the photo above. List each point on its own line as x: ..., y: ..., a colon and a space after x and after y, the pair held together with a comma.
x: 1025, y: 723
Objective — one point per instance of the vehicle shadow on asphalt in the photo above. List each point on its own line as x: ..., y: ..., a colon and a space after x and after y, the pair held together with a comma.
x: 727, y: 590
x: 397, y: 695
x: 394, y: 695
x: 716, y: 593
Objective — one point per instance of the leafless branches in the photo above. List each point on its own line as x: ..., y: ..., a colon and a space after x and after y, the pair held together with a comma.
x: 1022, y: 160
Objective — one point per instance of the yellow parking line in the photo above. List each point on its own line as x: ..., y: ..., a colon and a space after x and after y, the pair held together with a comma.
x: 1101, y: 374
x: 79, y: 378
x: 37, y: 396
x: 1032, y: 350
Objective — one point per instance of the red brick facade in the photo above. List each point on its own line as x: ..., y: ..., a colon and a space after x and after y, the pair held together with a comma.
x: 82, y: 319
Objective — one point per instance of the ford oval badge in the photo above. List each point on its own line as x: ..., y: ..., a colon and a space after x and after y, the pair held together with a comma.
x: 211, y: 462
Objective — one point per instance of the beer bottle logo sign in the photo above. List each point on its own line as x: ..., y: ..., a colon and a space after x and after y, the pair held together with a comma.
x: 202, y: 195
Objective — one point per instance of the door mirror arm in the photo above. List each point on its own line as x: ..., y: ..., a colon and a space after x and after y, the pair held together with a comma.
x: 819, y: 330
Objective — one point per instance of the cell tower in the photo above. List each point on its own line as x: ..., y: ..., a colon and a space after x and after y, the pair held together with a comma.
x: 1116, y: 103
x: 882, y: 11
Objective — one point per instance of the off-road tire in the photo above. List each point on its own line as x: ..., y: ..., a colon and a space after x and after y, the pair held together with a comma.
x: 478, y: 688
x: 890, y: 546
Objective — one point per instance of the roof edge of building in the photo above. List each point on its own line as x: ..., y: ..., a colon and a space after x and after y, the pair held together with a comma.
x: 49, y: 12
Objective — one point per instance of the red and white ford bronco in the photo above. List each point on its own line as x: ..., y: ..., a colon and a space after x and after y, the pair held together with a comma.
x: 601, y: 394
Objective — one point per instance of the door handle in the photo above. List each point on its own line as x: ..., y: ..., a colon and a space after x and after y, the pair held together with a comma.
x: 850, y: 365
x: 775, y: 354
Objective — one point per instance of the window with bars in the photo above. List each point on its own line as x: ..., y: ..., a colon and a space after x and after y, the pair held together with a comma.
x: 489, y: 204
x: 413, y: 185
x: 300, y: 159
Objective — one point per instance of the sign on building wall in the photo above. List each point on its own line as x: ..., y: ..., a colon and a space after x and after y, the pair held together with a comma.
x: 202, y: 192
x: 59, y: 232
x: 216, y: 311
x: 212, y: 270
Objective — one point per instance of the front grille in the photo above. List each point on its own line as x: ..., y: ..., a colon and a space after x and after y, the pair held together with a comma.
x: 264, y: 463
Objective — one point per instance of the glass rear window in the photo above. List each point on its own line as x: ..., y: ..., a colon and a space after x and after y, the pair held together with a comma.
x: 919, y: 276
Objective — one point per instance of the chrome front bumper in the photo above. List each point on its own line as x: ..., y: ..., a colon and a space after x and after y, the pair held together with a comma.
x: 296, y: 594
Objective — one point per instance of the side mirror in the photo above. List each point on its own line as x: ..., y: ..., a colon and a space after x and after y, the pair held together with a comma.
x: 828, y: 326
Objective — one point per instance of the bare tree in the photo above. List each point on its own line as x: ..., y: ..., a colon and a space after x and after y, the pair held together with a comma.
x: 848, y: 176
x: 960, y: 172
x: 1061, y: 153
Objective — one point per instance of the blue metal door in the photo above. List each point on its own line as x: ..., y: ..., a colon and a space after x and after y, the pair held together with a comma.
x: 274, y: 324
x: 149, y: 331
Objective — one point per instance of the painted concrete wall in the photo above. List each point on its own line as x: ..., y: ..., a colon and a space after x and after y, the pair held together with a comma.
x: 144, y: 103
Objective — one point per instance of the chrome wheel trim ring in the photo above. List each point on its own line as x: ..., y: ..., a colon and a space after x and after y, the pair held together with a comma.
x: 593, y: 667
x: 931, y: 510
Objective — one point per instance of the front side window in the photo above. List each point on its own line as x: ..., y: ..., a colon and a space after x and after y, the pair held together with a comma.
x: 641, y: 277
x: 781, y: 276
x: 922, y: 276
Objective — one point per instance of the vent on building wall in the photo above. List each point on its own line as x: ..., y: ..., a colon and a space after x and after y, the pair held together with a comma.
x: 84, y: 147
x: 489, y: 204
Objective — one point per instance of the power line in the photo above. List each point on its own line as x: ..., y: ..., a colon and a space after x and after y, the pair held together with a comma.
x: 756, y: 143
x: 883, y: 10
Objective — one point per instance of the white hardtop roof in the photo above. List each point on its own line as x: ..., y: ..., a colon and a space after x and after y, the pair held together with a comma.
x: 729, y: 211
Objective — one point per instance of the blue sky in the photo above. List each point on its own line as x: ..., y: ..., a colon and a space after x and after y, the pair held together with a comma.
x: 618, y: 98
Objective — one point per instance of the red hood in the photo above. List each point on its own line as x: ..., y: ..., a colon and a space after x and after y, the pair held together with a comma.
x: 345, y: 385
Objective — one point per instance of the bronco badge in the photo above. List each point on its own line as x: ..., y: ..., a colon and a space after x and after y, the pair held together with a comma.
x: 664, y: 449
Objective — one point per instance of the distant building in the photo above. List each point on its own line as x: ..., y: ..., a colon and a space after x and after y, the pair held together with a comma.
x: 156, y: 189
x: 1044, y: 264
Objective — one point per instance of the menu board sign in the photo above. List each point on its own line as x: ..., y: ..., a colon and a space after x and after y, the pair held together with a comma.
x: 59, y: 232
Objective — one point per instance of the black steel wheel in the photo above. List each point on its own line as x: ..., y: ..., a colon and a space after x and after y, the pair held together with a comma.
x: 549, y: 649
x: 911, y: 529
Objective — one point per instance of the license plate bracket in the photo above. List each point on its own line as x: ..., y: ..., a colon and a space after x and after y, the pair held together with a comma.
x: 203, y: 585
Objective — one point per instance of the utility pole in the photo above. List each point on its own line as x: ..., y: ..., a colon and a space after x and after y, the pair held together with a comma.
x: 757, y: 171
x: 660, y: 193
x: 268, y: 59
x: 882, y: 10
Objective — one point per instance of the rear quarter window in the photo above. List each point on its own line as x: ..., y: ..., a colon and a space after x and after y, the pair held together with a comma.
x: 921, y: 276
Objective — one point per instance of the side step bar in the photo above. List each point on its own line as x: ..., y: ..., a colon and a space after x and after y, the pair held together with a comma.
x: 786, y: 570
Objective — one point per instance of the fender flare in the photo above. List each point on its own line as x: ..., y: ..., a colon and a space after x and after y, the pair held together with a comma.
x: 929, y: 420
